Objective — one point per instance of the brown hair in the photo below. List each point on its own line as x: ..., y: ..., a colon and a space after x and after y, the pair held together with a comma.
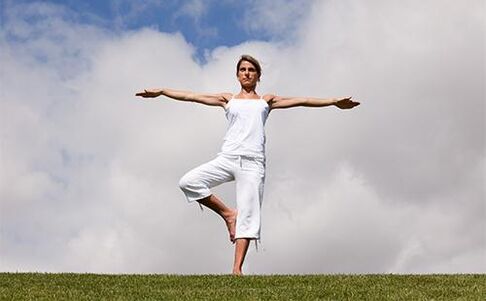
x: 253, y: 61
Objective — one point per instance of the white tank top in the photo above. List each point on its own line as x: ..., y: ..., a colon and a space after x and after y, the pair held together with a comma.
x: 246, y: 130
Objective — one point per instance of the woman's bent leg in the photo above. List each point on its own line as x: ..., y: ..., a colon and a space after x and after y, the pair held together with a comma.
x: 228, y: 214
x: 196, y: 185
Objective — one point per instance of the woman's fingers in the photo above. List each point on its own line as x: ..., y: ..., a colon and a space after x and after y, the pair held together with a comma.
x: 347, y: 103
x: 147, y: 93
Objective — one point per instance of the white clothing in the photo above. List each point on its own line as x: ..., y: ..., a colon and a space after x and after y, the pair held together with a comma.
x: 242, y: 158
x: 246, y: 130
x: 249, y: 174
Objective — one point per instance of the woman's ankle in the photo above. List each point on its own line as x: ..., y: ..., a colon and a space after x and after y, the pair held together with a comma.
x: 229, y: 214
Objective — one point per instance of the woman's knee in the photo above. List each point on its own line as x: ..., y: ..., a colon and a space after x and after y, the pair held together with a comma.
x: 193, y: 188
x: 192, y: 182
x: 185, y: 181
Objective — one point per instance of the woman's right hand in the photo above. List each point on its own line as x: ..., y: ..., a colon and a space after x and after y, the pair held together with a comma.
x: 150, y: 93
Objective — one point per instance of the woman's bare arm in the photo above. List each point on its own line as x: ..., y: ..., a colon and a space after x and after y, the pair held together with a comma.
x: 282, y: 102
x: 219, y: 99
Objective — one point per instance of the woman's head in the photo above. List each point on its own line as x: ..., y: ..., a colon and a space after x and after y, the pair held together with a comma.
x: 252, y: 63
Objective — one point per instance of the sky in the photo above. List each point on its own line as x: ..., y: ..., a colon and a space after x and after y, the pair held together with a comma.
x: 89, y: 173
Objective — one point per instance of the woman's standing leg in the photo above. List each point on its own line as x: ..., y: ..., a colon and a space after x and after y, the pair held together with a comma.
x: 250, y: 178
x: 241, y: 247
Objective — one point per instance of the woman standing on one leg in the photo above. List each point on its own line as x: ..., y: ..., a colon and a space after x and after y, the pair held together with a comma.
x: 242, y: 157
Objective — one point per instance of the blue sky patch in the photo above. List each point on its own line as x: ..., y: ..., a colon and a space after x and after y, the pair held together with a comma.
x: 204, y: 24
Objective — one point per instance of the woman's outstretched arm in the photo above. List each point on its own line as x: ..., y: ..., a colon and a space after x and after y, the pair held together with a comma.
x: 219, y: 99
x: 283, y: 102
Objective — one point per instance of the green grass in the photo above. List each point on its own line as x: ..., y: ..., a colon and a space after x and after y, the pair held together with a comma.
x: 37, y: 286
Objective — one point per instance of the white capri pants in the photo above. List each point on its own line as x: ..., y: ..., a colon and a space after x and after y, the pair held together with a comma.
x: 249, y: 173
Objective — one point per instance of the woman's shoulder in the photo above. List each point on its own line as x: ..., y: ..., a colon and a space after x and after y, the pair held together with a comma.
x: 268, y: 97
x: 227, y: 96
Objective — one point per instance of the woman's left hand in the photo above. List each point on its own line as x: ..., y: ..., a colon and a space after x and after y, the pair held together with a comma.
x: 346, y: 103
x: 150, y: 93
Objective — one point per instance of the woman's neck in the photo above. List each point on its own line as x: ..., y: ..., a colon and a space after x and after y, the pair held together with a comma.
x: 247, y: 94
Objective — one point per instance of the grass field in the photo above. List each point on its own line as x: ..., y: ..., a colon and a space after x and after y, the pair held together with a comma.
x: 37, y: 286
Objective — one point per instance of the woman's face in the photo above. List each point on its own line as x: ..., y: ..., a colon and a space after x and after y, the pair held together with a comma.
x: 247, y: 74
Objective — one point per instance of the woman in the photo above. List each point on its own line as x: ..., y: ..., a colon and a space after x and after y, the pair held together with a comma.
x: 242, y: 157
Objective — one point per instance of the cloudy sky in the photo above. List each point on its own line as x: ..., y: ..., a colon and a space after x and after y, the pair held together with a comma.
x: 89, y: 173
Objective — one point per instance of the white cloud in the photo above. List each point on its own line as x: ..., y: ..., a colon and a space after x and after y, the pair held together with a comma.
x: 88, y: 177
x: 127, y: 11
x: 275, y: 18
x: 196, y: 10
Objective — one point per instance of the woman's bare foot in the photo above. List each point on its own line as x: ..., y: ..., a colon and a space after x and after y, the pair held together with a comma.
x: 237, y: 273
x: 231, y: 224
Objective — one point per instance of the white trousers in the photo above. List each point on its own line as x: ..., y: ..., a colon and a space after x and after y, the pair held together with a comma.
x: 249, y: 174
